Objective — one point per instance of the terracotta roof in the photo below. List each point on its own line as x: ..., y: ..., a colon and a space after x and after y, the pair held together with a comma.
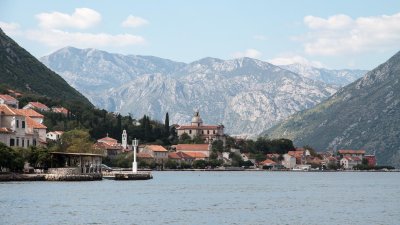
x: 30, y: 112
x: 8, y: 111
x: 179, y: 155
x: 351, y: 151
x: 38, y: 105
x: 296, y: 153
x: 173, y: 155
x: 8, y: 98
x: 5, y: 130
x: 196, y: 155
x: 155, y: 148
x: 267, y: 162
x: 60, y: 110
x: 107, y: 139
x: 144, y: 155
x: 33, y: 124
x: 192, y: 147
x: 352, y: 158
x: 56, y: 132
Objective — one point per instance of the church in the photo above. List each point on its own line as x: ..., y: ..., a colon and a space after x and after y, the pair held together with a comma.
x: 208, y: 133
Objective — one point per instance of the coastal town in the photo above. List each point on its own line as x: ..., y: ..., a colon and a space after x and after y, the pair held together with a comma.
x: 199, y: 146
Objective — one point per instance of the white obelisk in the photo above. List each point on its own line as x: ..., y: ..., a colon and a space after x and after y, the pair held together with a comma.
x: 134, y: 164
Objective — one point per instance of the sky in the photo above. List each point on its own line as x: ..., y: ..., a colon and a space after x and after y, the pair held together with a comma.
x: 335, y: 34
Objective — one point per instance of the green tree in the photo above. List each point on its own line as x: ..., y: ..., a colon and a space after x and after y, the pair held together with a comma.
x: 199, y: 164
x: 171, y: 164
x: 166, y: 124
x: 185, y: 139
x: 76, y: 141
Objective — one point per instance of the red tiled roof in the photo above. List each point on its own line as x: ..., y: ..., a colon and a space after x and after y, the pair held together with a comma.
x: 8, y: 111
x: 38, y: 105
x: 30, y: 112
x: 60, y: 110
x: 173, y: 155
x: 8, y: 98
x: 196, y: 155
x: 192, y: 147
x: 155, y: 148
x: 342, y: 151
x: 33, y: 124
x: 296, y: 153
x: 106, y: 146
x: 107, y: 139
x: 5, y: 130
x: 144, y: 155
x: 267, y: 162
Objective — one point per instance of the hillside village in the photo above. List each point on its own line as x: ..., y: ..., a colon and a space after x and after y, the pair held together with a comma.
x: 197, y: 145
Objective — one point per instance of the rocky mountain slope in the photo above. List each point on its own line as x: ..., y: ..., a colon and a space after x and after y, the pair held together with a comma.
x: 21, y: 71
x: 338, y: 78
x: 362, y: 115
x: 246, y: 95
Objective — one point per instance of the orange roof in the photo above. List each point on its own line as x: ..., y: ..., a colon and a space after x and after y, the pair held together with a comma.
x: 8, y: 111
x: 8, y: 98
x: 351, y: 151
x: 38, y: 105
x: 297, y: 153
x: 173, y: 155
x: 179, y: 155
x: 267, y: 162
x: 33, y: 124
x: 156, y: 148
x: 192, y: 147
x: 5, y: 130
x: 30, y: 112
x: 60, y: 110
x: 107, y: 139
x: 144, y: 155
x: 196, y: 155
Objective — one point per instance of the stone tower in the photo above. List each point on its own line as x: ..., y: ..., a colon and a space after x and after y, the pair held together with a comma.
x: 196, y: 120
x: 124, y: 140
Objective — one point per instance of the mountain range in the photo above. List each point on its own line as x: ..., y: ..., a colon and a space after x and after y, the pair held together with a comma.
x: 246, y: 95
x: 363, y: 115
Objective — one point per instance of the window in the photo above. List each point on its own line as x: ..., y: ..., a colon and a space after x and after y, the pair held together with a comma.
x: 12, y: 142
x: 208, y: 131
x: 23, y: 124
x: 190, y: 131
x: 23, y: 142
x: 27, y: 143
x: 17, y: 124
x: 17, y: 141
x: 34, y: 142
x: 213, y: 131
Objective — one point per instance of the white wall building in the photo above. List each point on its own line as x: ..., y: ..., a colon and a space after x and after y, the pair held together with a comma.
x: 288, y: 161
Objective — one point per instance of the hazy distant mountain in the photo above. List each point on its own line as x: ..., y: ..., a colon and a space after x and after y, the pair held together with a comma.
x: 362, y: 115
x: 246, y: 95
x: 339, y: 78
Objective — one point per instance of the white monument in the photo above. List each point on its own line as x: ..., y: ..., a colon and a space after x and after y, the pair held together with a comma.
x: 134, y: 164
x: 124, y: 140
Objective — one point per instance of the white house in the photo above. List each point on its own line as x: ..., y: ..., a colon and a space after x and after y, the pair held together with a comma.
x: 159, y: 153
x: 9, y: 100
x: 18, y: 129
x: 37, y: 106
x: 54, y: 135
x: 288, y: 161
x: 348, y: 162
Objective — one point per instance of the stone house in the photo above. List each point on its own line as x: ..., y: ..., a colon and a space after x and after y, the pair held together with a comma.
x: 289, y: 161
x: 54, y: 135
x: 197, y: 151
x: 348, y: 162
x: 37, y: 106
x: 158, y: 152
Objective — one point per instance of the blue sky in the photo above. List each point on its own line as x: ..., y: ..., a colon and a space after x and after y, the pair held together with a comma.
x: 333, y: 34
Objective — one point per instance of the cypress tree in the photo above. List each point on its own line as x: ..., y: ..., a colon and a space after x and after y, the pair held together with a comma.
x: 166, y: 124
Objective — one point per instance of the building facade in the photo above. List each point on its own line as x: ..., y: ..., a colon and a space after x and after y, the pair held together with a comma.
x: 208, y: 133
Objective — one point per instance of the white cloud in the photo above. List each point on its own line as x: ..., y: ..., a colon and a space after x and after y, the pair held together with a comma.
x: 292, y: 59
x: 251, y: 53
x: 59, y: 38
x: 10, y: 28
x: 341, y: 34
x: 134, y: 21
x: 82, y: 18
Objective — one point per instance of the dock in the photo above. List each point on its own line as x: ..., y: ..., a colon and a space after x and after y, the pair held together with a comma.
x: 128, y: 176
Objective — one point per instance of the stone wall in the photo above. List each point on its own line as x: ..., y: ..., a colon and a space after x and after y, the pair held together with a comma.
x: 64, y: 171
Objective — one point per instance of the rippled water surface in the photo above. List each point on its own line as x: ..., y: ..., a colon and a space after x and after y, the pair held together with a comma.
x: 208, y: 198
